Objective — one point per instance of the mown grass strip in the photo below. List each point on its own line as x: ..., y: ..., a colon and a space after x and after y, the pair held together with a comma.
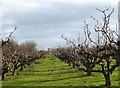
x: 53, y: 72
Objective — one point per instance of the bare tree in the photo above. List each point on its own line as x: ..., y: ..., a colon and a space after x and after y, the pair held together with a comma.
x: 83, y: 55
x: 102, y: 51
x: 107, y: 45
x: 17, y: 56
x: 8, y: 38
x: 5, y: 60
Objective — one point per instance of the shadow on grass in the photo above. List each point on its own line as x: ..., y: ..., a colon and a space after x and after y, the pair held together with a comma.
x: 59, y: 87
x: 41, y: 81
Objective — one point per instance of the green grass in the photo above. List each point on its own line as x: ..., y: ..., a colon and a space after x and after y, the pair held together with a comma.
x: 53, y: 72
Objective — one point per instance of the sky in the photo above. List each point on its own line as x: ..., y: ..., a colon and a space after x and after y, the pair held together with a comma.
x: 44, y: 21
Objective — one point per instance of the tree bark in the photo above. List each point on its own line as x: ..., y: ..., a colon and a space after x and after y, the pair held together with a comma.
x: 89, y: 71
x: 73, y: 64
x: 15, y: 68
x: 108, y: 80
x: 4, y: 71
x: 3, y: 76
x: 21, y: 67
x: 69, y: 63
x: 107, y: 76
x: 14, y: 71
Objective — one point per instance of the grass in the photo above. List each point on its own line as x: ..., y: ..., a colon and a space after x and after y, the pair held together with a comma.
x: 50, y: 71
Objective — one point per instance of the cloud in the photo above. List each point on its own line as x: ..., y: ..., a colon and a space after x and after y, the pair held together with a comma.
x: 44, y: 22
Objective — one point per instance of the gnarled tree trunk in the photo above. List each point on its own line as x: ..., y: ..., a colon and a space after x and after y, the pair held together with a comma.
x: 4, y: 71
x: 108, y: 80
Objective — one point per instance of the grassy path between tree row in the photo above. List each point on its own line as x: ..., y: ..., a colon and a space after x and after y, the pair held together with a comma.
x: 53, y: 72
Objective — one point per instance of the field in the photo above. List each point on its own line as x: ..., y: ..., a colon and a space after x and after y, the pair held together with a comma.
x: 50, y: 71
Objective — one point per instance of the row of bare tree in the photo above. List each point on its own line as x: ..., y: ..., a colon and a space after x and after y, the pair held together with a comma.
x: 104, y: 51
x: 15, y: 57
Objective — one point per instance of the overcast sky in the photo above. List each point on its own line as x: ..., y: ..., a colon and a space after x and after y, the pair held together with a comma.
x: 45, y: 22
